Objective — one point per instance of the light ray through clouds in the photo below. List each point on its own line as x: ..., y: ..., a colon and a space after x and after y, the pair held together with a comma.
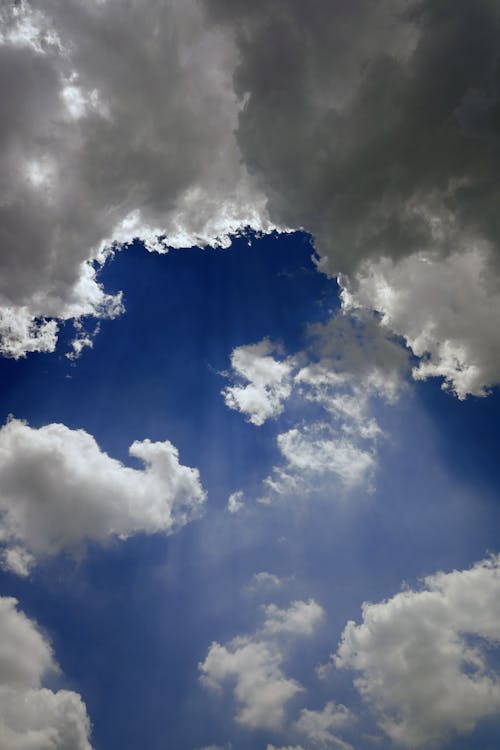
x: 250, y: 356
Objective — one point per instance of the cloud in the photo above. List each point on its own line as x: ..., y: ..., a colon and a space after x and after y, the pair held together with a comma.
x: 446, y: 310
x: 301, y: 618
x: 255, y: 662
x: 182, y: 123
x: 348, y: 362
x: 267, y: 382
x: 375, y: 127
x: 363, y: 125
x: 315, y: 449
x: 33, y: 717
x: 59, y: 490
x: 263, y: 582
x: 235, y: 502
x: 120, y: 125
x: 319, y: 726
x: 423, y: 656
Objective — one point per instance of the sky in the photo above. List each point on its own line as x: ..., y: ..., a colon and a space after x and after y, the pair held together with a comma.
x: 249, y: 367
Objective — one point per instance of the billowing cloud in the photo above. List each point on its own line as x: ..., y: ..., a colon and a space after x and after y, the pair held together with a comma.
x: 424, y: 656
x: 59, y: 490
x: 446, y: 310
x: 255, y: 663
x: 374, y: 125
x: 181, y: 123
x: 364, y: 124
x: 120, y: 124
x: 32, y: 717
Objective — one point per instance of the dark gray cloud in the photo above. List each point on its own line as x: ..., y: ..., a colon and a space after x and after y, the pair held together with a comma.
x: 375, y: 126
x: 371, y: 124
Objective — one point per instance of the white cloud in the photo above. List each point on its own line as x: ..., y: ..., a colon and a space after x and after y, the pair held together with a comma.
x: 33, y: 717
x: 301, y: 618
x: 255, y: 662
x: 267, y: 382
x: 235, y: 502
x: 349, y: 361
x: 263, y: 582
x: 58, y: 490
x: 423, y: 656
x: 316, y: 449
x: 446, y: 310
x: 319, y: 726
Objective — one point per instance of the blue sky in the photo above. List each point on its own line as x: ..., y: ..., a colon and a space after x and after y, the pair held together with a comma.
x: 249, y: 368
x: 131, y: 621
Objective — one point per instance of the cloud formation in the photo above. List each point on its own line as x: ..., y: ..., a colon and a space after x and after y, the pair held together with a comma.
x: 32, y: 717
x: 255, y: 663
x: 374, y: 125
x: 446, y: 310
x: 424, y: 656
x: 120, y: 124
x: 266, y: 381
x: 349, y: 362
x: 59, y: 490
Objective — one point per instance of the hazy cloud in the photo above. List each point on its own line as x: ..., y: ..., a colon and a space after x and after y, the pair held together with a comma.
x: 321, y: 727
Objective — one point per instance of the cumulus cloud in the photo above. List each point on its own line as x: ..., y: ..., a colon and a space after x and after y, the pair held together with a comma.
x: 424, y: 656
x: 446, y: 310
x: 255, y: 664
x: 59, y: 490
x: 120, y: 124
x: 32, y: 717
x: 320, y: 727
x: 266, y: 381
